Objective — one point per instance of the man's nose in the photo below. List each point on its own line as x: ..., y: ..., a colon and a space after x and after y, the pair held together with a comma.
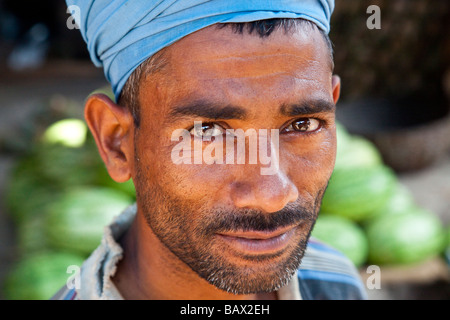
x: 268, y: 193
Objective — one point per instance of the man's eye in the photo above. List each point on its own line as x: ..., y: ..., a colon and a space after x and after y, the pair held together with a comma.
x: 207, y: 130
x: 304, y: 125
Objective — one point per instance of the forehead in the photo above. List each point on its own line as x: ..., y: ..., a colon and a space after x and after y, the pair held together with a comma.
x: 217, y: 63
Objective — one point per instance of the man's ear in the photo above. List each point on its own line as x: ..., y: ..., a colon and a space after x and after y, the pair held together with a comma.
x: 112, y: 128
x: 336, y: 87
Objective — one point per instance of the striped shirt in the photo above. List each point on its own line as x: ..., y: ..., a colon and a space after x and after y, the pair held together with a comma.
x: 324, y: 274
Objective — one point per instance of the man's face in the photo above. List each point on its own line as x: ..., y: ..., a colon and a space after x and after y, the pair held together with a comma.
x: 241, y: 230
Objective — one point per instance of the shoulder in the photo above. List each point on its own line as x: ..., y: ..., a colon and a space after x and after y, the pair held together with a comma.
x: 326, y: 274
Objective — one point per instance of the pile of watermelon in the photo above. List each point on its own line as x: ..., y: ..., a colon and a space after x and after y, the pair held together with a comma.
x: 370, y: 216
x: 60, y: 197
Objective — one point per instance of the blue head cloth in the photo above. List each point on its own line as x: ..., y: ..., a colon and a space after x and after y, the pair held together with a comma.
x: 121, y: 34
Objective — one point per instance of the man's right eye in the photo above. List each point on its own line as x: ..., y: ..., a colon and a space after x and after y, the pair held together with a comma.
x: 207, y: 130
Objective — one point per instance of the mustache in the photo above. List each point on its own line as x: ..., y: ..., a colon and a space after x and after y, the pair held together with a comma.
x: 255, y: 220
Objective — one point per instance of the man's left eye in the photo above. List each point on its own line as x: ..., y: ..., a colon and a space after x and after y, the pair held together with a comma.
x: 304, y: 125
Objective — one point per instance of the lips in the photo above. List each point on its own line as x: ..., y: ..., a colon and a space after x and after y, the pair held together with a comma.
x: 259, y: 242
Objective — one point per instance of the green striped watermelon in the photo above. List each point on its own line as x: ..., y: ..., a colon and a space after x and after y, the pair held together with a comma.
x: 76, y: 220
x: 344, y: 235
x: 40, y: 276
x: 405, y: 238
x: 355, y: 193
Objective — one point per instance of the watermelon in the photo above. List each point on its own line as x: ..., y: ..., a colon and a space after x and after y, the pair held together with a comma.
x: 31, y: 236
x: 68, y: 166
x: 401, y: 200
x: 40, y: 276
x: 357, y: 152
x: 355, y: 193
x: 28, y: 192
x: 344, y: 235
x: 75, y: 222
x: 405, y: 238
x: 447, y: 249
x: 342, y: 134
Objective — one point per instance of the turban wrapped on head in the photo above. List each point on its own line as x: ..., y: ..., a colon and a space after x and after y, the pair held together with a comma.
x: 121, y: 34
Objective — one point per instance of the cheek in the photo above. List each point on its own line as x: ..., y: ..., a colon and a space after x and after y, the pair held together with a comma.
x: 198, y: 183
x: 311, y: 165
x: 194, y: 184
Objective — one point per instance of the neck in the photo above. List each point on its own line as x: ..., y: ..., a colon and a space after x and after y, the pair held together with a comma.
x: 149, y: 271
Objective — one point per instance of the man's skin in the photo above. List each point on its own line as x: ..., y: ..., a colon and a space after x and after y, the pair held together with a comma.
x: 182, y: 231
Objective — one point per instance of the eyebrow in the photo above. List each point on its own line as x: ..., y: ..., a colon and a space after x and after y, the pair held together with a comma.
x: 214, y: 111
x: 208, y: 110
x: 307, y: 107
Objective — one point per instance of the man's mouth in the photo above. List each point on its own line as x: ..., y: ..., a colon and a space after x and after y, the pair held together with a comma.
x: 259, y: 242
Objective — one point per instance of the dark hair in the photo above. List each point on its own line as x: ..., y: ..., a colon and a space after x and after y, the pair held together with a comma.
x: 129, y: 97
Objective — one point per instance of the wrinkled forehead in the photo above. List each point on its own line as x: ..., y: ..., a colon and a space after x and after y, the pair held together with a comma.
x: 241, y: 55
x: 220, y: 64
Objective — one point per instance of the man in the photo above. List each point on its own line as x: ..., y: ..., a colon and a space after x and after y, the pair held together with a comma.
x: 208, y: 223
